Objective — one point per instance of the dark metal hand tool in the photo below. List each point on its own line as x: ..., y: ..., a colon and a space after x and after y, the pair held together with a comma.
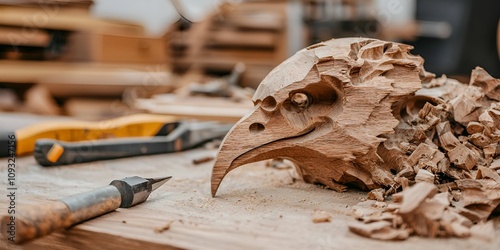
x: 185, y: 135
x: 44, y: 219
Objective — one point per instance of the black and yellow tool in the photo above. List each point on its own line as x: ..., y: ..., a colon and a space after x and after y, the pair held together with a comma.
x: 138, y: 125
x: 180, y: 136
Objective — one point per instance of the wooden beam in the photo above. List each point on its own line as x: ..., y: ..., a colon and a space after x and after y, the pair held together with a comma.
x: 58, y: 18
x: 64, y: 78
x: 204, y: 108
x: 241, y: 39
x: 20, y: 37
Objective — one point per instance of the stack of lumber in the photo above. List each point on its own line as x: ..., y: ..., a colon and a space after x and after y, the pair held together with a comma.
x: 253, y: 32
x: 326, y: 19
x: 36, y: 30
x: 57, y: 43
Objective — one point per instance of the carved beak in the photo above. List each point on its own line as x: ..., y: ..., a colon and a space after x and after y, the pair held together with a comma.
x: 254, y: 138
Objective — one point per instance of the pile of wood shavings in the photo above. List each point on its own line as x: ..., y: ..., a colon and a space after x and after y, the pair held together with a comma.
x: 448, y: 153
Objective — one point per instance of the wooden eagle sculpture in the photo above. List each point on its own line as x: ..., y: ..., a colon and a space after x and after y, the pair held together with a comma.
x: 347, y: 112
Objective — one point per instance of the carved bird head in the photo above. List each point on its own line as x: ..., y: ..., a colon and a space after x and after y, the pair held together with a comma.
x: 326, y: 109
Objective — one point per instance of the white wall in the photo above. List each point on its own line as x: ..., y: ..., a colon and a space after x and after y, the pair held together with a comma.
x: 395, y: 11
x: 154, y: 15
x: 157, y: 15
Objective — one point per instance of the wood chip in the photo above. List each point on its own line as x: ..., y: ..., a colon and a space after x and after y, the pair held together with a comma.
x: 377, y: 194
x: 415, y: 195
x: 489, y: 85
x: 463, y: 157
x: 403, y: 181
x: 466, y: 106
x: 487, y: 173
x: 163, y: 228
x: 424, y: 152
x: 480, y: 140
x: 490, y: 151
x: 380, y: 230
x: 321, y: 217
x: 443, y: 198
x: 483, y: 231
x: 368, y: 229
x: 459, y: 230
x: 379, y: 204
x: 475, y: 127
x: 432, y: 210
x: 202, y: 159
x: 424, y: 176
x: 495, y: 164
x: 448, y: 141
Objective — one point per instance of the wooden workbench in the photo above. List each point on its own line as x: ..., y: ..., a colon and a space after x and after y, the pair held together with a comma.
x: 256, y: 207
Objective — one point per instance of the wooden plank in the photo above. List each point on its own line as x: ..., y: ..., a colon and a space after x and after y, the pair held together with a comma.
x: 62, y: 19
x: 238, y: 38
x: 240, y: 55
x: 258, y: 208
x: 19, y: 37
x: 255, y: 71
x: 226, y: 63
x: 204, y: 108
x: 86, y: 78
x: 106, y: 48
x: 256, y: 16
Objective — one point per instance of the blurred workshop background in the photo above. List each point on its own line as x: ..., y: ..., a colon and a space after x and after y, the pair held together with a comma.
x: 204, y: 58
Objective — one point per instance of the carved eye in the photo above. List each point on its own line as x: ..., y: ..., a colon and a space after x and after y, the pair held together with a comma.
x: 300, y: 100
x: 269, y: 103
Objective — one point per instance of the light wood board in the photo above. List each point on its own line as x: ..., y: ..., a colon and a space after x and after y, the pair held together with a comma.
x: 59, y: 18
x: 17, y: 37
x: 196, y: 107
x: 256, y: 208
x: 97, y: 79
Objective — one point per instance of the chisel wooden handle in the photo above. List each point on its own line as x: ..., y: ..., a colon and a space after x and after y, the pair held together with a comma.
x: 40, y: 220
x: 36, y: 222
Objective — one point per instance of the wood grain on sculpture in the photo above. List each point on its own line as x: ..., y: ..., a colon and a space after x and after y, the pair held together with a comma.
x: 325, y: 108
x: 363, y: 112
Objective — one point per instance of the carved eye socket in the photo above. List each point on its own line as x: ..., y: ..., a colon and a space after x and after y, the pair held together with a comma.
x: 269, y: 103
x: 300, y: 100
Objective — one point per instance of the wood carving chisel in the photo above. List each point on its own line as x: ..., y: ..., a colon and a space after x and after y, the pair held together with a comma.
x: 44, y: 219
x: 127, y: 126
x: 186, y: 135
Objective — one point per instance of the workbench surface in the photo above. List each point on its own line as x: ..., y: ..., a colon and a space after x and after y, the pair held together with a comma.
x: 257, y: 207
